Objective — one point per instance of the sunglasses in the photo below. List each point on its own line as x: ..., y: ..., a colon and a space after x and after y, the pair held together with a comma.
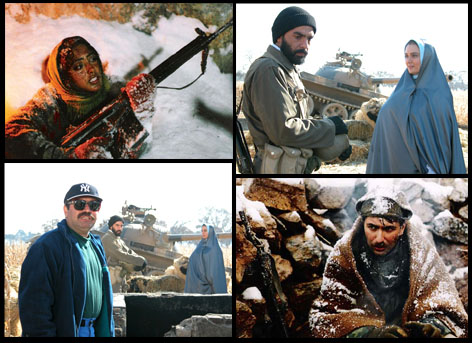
x: 79, y: 205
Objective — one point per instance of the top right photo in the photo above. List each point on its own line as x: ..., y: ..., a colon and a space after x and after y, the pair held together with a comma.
x: 352, y: 89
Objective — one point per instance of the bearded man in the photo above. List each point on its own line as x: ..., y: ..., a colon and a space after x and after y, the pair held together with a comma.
x: 384, y: 279
x: 275, y: 104
x: 122, y: 260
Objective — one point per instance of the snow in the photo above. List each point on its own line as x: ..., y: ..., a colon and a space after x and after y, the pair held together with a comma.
x: 177, y: 130
x: 309, y: 233
x: 289, y: 181
x: 252, y: 293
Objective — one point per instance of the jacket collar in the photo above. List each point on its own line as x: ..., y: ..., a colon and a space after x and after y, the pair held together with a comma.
x: 280, y: 58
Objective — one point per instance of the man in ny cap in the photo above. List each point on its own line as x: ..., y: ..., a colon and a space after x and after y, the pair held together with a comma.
x: 122, y: 260
x: 384, y: 279
x: 65, y: 287
x: 275, y: 104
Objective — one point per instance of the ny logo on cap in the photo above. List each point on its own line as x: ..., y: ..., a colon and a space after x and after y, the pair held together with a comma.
x: 84, y: 187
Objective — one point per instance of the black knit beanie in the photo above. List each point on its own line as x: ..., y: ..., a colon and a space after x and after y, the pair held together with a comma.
x: 290, y: 18
x: 113, y: 220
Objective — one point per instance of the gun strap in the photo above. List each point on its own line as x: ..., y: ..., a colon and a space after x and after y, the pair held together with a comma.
x: 203, y: 65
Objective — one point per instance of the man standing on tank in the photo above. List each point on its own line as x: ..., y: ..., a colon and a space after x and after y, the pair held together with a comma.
x: 275, y: 102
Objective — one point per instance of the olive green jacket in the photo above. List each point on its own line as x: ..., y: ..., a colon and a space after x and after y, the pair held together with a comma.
x: 275, y: 106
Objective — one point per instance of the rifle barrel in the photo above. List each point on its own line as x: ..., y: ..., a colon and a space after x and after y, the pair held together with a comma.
x: 174, y: 62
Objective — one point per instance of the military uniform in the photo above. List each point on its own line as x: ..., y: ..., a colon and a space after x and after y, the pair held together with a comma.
x: 275, y: 104
x: 121, y: 259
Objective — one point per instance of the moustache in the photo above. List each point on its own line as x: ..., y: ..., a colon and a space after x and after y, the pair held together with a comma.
x: 85, y: 214
x: 302, y: 51
x: 380, y: 246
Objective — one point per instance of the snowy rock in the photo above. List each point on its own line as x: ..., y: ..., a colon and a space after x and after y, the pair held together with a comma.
x: 447, y: 226
x: 329, y: 193
x: 277, y: 193
x: 306, y: 253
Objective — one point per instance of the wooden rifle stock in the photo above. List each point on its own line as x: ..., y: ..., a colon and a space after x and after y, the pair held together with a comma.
x: 118, y: 121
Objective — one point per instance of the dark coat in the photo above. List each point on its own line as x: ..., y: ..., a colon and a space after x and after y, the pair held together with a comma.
x: 53, y: 286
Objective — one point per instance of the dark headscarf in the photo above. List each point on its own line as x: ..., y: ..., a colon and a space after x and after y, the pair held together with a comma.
x: 79, y: 103
x: 206, y: 270
x: 417, y: 126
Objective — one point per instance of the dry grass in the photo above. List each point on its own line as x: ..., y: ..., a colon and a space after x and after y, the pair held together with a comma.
x: 15, y: 254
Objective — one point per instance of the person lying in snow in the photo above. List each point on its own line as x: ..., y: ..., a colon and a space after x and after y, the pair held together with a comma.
x: 384, y: 279
x: 78, y: 87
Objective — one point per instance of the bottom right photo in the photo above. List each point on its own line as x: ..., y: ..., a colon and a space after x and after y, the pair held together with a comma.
x: 351, y: 257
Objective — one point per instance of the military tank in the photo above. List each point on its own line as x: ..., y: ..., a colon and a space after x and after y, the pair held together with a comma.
x: 142, y: 234
x: 339, y: 87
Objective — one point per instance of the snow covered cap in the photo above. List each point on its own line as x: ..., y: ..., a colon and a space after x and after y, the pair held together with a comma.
x: 381, y: 203
x: 81, y: 190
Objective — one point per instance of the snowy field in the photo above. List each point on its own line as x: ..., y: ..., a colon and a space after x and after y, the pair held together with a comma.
x: 178, y: 131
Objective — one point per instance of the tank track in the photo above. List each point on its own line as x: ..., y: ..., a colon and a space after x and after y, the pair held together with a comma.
x: 324, y: 100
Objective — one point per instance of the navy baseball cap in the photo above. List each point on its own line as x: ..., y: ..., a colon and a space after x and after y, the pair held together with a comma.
x: 81, y: 190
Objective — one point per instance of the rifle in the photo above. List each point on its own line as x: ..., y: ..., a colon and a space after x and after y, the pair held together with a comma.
x: 270, y: 281
x: 118, y: 121
x: 243, y: 158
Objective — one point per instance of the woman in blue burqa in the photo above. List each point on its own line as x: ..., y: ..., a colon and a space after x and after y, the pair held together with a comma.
x: 206, y: 270
x: 416, y: 130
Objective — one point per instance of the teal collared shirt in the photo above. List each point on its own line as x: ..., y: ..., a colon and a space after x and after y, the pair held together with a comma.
x: 94, y: 277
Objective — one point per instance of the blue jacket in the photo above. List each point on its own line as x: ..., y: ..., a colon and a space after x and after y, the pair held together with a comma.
x: 52, y: 287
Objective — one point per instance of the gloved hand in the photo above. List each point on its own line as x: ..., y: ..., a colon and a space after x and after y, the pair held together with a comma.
x: 138, y: 268
x: 390, y: 331
x: 95, y: 147
x: 141, y: 92
x: 341, y: 128
x: 417, y: 329
x: 345, y: 154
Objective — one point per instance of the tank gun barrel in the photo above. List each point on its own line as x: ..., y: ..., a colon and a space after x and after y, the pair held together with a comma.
x: 384, y: 80
x: 194, y: 237
x: 392, y: 80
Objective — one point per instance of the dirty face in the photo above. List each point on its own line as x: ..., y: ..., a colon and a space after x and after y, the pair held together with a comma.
x: 85, y: 71
x: 295, y: 43
x: 117, y: 228
x: 382, y: 235
x: 81, y: 221
x: 204, y: 232
x: 412, y: 58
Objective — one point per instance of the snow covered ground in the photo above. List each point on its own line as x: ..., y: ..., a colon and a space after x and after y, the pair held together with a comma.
x: 177, y: 129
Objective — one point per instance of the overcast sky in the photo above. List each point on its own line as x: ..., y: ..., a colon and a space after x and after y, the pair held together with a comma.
x: 34, y: 192
x: 378, y: 31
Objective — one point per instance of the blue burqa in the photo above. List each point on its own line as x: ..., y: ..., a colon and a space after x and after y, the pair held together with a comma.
x: 416, y: 130
x: 206, y: 270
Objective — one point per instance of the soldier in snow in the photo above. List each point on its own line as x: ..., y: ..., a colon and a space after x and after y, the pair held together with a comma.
x: 77, y: 88
x: 383, y: 279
